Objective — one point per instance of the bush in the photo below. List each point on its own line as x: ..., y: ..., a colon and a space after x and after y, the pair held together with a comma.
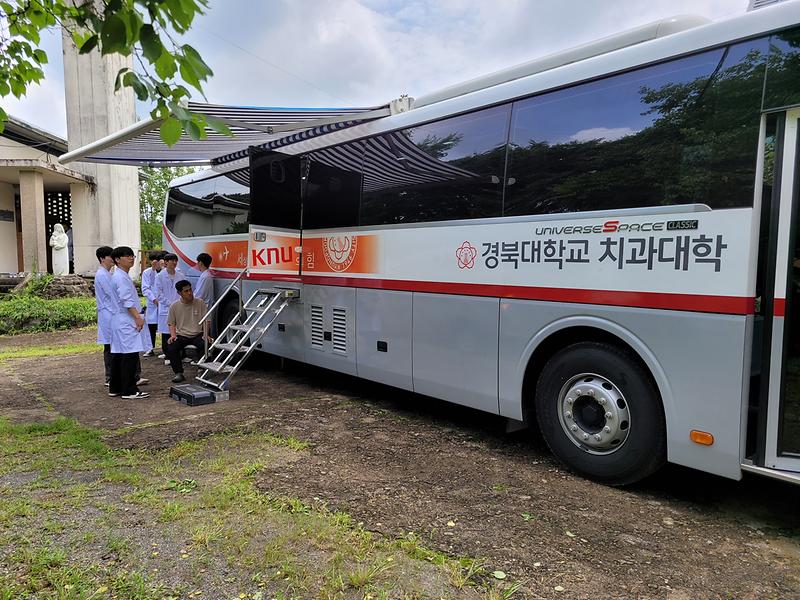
x: 24, y: 313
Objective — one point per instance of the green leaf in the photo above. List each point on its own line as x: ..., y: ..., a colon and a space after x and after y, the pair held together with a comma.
x: 113, y: 35
x: 170, y: 131
x: 4, y: 89
x: 165, y: 65
x: 188, y: 74
x: 219, y: 126
x: 40, y: 56
x: 151, y: 43
x: 198, y: 64
x: 133, y: 23
x: 88, y: 45
x: 118, y: 80
x: 194, y: 130
x: 3, y: 119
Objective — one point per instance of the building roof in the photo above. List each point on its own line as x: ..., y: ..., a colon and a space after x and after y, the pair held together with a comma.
x: 30, y: 135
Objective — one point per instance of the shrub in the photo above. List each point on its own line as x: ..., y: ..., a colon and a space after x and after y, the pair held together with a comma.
x: 25, y: 313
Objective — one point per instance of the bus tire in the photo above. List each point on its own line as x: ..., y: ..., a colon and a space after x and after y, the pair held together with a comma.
x: 229, y: 310
x: 600, y: 413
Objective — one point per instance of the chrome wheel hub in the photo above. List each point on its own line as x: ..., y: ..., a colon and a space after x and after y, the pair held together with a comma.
x: 594, y: 414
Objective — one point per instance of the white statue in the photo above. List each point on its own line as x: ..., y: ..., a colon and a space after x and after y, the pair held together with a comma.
x: 59, y: 242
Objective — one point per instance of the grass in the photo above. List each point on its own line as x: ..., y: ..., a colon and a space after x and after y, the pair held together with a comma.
x: 36, y: 351
x: 89, y: 536
x: 26, y: 313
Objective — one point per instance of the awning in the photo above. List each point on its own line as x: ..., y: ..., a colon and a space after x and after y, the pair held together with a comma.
x: 141, y: 145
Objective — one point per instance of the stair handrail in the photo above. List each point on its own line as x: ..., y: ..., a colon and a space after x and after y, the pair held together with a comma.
x: 210, y: 312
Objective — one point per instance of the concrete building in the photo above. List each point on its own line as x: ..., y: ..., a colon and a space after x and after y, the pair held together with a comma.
x: 109, y: 214
x: 35, y: 194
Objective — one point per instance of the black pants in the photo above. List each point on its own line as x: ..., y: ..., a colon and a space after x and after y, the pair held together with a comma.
x: 164, y: 338
x: 107, y: 361
x: 175, y: 350
x: 123, y: 373
x: 153, y: 327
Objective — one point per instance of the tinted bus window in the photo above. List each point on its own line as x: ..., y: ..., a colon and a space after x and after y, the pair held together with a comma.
x: 275, y: 190
x: 782, y: 88
x: 451, y: 169
x: 680, y: 132
x: 216, y: 206
x: 333, y: 187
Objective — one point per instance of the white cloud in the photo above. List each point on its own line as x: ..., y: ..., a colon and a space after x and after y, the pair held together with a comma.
x: 607, y: 134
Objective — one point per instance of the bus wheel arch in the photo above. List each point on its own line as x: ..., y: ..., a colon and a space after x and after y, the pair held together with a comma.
x: 228, y: 308
x: 592, y: 360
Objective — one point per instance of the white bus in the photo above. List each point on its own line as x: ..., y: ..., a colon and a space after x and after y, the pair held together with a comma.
x: 602, y: 248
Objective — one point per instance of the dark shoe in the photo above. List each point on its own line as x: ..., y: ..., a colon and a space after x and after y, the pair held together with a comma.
x: 179, y: 378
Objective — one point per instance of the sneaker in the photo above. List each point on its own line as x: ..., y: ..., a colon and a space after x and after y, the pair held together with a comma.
x: 178, y: 378
x: 112, y: 394
x: 142, y: 381
x: 136, y: 396
x: 166, y: 362
x: 148, y: 353
x: 162, y: 356
x: 108, y: 383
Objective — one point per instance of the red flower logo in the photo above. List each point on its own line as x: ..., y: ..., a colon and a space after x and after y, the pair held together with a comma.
x: 465, y: 255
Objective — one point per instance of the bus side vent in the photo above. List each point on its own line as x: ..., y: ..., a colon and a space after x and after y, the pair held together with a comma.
x: 317, y: 334
x: 755, y: 4
x: 339, y: 330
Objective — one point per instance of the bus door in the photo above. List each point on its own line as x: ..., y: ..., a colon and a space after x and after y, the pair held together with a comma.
x: 779, y: 439
x: 275, y: 208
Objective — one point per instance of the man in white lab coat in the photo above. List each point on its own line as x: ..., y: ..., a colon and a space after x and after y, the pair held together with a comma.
x: 106, y: 304
x: 127, y: 336
x: 149, y: 292
x: 166, y: 294
x: 204, y: 288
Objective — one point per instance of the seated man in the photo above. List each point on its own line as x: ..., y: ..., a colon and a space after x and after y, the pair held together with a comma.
x: 183, y: 321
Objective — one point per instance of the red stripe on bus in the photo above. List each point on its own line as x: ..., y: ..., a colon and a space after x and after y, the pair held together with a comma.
x: 735, y: 305
x: 779, y: 308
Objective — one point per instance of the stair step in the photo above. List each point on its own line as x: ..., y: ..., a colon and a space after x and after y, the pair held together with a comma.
x: 256, y: 309
x: 215, y: 367
x: 232, y: 347
x: 246, y: 328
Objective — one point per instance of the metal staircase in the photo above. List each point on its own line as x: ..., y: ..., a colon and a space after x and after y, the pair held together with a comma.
x: 237, y: 341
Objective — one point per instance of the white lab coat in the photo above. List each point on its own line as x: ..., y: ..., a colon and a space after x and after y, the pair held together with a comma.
x: 124, y: 337
x: 149, y: 292
x: 166, y: 294
x: 205, y: 288
x: 106, y: 304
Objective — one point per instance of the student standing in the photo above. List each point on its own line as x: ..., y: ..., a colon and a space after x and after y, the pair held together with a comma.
x: 106, y: 304
x: 204, y: 290
x: 126, y: 327
x: 166, y: 294
x: 149, y: 292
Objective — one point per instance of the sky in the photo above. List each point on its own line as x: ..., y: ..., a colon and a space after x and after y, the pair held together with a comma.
x: 366, y: 52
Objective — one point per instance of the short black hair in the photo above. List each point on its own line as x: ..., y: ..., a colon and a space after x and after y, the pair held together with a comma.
x: 205, y: 259
x: 170, y: 256
x: 182, y: 284
x: 154, y: 255
x: 121, y: 251
x: 103, y: 251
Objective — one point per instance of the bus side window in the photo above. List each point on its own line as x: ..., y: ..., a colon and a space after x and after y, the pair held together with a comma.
x: 680, y: 132
x: 447, y: 170
x: 275, y: 190
x: 333, y: 187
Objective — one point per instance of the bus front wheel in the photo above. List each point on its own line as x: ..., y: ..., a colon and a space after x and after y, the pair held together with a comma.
x: 600, y: 413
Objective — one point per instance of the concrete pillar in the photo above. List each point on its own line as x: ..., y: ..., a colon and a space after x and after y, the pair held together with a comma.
x: 34, y: 230
x: 94, y: 111
x: 84, y: 228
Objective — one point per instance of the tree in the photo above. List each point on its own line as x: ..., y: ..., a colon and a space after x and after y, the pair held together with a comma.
x: 145, y: 28
x: 153, y: 187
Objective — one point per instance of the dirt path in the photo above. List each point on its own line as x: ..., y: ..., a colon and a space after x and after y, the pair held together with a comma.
x: 403, y: 463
